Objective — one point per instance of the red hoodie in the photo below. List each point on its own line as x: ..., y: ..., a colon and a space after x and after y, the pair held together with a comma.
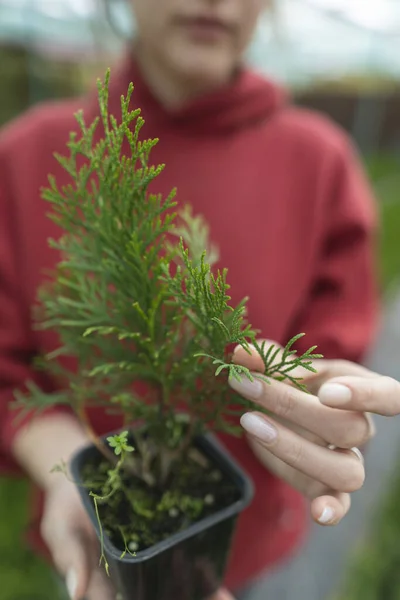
x: 288, y: 206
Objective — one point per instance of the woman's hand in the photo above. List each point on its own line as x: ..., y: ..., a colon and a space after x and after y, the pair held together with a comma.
x: 313, y: 439
x: 65, y: 526
x: 73, y: 544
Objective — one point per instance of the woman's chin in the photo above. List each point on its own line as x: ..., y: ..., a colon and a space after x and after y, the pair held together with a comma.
x: 209, y: 69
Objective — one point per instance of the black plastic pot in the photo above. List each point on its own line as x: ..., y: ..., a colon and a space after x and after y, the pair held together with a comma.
x: 189, y: 565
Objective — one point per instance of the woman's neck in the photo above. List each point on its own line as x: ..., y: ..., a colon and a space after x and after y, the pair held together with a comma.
x: 171, y: 89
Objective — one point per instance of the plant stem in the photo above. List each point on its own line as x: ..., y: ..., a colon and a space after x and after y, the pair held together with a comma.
x: 93, y: 437
x: 161, y: 401
x: 146, y: 456
x: 168, y: 457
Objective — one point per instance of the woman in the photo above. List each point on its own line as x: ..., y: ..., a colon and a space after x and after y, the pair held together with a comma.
x: 288, y: 205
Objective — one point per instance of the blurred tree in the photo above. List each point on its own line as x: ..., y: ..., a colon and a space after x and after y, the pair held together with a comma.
x: 28, y: 78
x: 14, y: 90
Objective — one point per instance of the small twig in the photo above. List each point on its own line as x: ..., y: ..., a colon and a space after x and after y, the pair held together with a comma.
x: 94, y: 438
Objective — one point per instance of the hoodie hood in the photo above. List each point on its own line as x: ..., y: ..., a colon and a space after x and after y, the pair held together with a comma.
x: 249, y: 100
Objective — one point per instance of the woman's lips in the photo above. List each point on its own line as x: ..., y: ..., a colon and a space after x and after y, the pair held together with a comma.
x: 205, y: 29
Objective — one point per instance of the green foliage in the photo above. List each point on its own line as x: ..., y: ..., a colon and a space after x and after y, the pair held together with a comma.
x: 119, y: 443
x: 113, y: 483
x: 134, y: 297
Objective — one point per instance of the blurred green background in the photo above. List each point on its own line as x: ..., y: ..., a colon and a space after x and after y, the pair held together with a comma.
x: 27, y: 78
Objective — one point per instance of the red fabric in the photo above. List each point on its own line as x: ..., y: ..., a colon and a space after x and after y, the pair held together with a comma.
x: 289, y: 208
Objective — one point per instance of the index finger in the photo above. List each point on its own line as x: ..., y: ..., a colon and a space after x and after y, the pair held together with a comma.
x: 379, y: 395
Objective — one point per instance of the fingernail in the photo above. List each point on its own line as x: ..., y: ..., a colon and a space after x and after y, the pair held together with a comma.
x: 334, y: 394
x: 327, y: 516
x: 245, y: 387
x: 259, y: 427
x: 71, y: 582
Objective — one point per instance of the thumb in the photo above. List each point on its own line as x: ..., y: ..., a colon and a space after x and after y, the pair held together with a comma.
x: 72, y: 558
x: 253, y: 361
x: 274, y: 353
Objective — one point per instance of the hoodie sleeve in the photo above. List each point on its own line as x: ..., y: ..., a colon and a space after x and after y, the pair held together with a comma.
x: 16, y: 337
x: 340, y: 312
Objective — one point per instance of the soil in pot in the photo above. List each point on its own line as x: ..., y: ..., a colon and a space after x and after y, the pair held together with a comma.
x: 168, y: 542
x: 138, y: 516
